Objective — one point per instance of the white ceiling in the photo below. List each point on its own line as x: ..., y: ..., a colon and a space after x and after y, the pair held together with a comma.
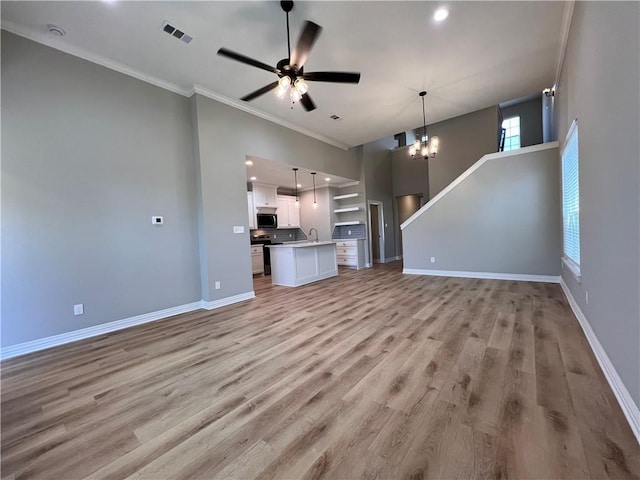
x: 483, y: 54
x: 276, y: 173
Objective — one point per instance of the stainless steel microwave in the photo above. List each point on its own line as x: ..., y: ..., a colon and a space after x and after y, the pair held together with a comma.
x: 267, y: 220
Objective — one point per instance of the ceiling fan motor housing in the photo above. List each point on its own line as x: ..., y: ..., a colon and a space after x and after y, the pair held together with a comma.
x: 288, y: 70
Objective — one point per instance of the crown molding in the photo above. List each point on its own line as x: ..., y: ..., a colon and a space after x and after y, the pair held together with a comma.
x: 567, y: 14
x: 245, y: 107
x: 52, y: 42
x: 49, y: 41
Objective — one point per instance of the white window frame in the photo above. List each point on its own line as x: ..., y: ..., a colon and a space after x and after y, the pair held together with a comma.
x: 509, y: 129
x: 573, y: 264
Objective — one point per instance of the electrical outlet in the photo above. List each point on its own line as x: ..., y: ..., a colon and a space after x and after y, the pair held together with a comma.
x: 348, y: 232
x: 217, y: 285
x: 275, y: 235
x: 433, y: 259
x: 290, y: 235
x: 78, y: 309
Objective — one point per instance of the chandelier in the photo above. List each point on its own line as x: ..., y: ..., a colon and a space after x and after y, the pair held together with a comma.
x: 424, y: 148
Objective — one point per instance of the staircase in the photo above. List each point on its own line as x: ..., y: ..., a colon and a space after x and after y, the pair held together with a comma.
x: 500, y: 219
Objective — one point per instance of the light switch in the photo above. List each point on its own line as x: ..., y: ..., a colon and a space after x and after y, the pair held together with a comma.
x: 157, y: 220
x: 238, y: 229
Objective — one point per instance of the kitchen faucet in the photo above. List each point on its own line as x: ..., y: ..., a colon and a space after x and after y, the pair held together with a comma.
x: 311, y: 230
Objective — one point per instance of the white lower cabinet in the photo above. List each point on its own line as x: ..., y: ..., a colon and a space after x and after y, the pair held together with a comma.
x: 350, y: 253
x: 257, y: 259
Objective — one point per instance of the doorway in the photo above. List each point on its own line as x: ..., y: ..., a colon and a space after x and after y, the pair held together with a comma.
x: 376, y: 232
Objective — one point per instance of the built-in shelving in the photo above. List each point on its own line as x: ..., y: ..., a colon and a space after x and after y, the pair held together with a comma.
x: 348, y: 209
x: 344, y: 224
x: 347, y: 195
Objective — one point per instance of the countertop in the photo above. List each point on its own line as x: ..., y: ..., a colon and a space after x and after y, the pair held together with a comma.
x: 301, y: 244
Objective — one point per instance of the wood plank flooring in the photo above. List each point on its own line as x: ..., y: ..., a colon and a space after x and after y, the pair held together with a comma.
x: 371, y: 374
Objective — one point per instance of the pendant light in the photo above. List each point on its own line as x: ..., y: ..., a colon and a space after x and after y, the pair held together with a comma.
x: 295, y: 179
x: 424, y: 148
x: 315, y: 203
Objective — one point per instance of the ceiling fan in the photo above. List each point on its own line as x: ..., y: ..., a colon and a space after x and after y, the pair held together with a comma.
x: 290, y: 71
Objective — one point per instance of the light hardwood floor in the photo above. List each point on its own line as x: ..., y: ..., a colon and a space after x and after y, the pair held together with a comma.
x: 370, y: 374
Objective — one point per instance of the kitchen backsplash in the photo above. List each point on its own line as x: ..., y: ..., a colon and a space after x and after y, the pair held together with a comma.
x: 343, y: 232
x: 281, y: 234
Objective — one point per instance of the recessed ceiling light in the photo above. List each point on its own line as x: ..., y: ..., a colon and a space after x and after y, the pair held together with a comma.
x: 327, y: 179
x: 299, y: 185
x: 440, y: 14
x: 248, y: 162
x: 253, y: 179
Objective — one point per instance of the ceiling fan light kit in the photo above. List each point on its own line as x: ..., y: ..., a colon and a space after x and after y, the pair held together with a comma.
x: 424, y: 148
x: 290, y: 70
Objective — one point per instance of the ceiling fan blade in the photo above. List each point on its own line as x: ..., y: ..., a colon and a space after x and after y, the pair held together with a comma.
x: 260, y: 91
x: 307, y: 38
x: 249, y: 61
x: 334, y: 77
x: 307, y: 103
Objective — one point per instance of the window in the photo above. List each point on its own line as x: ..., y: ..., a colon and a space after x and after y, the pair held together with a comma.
x: 512, y: 137
x: 571, y: 201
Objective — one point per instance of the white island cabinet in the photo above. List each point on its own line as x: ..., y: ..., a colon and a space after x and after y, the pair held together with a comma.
x: 295, y: 264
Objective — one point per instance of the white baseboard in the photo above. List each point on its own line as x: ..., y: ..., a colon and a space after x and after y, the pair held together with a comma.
x: 521, y: 277
x: 74, y: 336
x: 628, y: 406
x: 228, y: 300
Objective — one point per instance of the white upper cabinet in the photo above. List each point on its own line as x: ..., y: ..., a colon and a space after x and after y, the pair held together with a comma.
x: 252, y: 211
x: 264, y: 195
x: 288, y: 213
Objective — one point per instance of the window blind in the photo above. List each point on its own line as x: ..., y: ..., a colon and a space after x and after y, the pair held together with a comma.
x: 571, y: 196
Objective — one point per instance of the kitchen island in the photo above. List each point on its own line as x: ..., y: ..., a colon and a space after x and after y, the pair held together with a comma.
x: 295, y: 264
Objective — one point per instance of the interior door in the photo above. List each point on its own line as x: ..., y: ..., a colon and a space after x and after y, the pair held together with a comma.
x: 375, y: 233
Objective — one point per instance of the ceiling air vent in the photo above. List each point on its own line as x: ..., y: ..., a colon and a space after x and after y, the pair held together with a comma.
x: 176, y: 32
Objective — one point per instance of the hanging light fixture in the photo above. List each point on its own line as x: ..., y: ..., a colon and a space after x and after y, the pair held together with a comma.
x: 295, y: 179
x: 424, y: 148
x: 315, y: 203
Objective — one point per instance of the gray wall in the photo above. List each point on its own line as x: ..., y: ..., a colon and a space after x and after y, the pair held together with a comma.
x: 409, y: 175
x: 463, y: 141
x: 226, y: 136
x: 600, y: 86
x: 404, y: 207
x: 379, y: 186
x: 88, y: 157
x: 503, y: 218
x: 530, y: 113
x: 319, y: 217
